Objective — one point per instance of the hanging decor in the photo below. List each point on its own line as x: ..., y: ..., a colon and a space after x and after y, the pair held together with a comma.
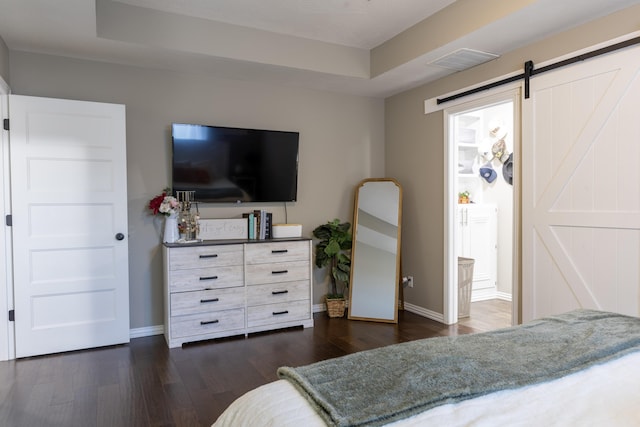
x: 507, y: 170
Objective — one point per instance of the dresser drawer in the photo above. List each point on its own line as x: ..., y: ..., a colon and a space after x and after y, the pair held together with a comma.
x: 278, y: 293
x: 277, y: 252
x: 278, y: 313
x: 206, y: 278
x: 205, y: 301
x: 257, y: 274
x: 207, y: 323
x: 205, y: 256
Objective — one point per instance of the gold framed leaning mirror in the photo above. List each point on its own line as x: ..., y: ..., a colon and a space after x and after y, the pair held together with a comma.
x: 375, y: 251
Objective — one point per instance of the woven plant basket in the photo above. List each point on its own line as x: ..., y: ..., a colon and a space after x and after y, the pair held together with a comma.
x: 335, y: 307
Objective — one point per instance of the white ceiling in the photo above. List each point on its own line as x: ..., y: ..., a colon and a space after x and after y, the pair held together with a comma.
x: 356, y: 23
x: 347, y: 29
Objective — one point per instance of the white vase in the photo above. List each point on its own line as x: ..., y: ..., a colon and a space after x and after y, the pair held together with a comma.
x: 171, y: 234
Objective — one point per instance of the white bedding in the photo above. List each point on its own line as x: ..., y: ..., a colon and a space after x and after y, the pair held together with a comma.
x: 603, y: 395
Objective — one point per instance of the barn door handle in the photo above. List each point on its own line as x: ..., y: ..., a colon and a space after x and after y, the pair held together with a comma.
x: 119, y: 236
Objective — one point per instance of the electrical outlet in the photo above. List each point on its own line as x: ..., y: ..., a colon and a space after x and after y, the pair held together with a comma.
x: 410, y: 281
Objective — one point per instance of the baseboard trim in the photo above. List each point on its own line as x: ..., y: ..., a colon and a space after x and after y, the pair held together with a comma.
x: 407, y: 306
x: 317, y: 308
x: 147, y: 331
x: 420, y: 311
x: 486, y: 296
x: 504, y: 296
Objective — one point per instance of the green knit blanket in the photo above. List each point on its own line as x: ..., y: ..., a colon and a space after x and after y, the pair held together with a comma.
x: 383, y: 385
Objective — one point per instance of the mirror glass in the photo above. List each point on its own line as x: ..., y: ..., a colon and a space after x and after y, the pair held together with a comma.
x: 375, y: 254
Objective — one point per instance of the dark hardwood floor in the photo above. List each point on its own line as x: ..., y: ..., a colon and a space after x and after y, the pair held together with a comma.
x: 146, y: 384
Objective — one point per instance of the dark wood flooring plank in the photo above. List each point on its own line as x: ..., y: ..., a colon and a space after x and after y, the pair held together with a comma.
x: 155, y: 400
x: 110, y: 411
x: 84, y: 411
x: 39, y: 410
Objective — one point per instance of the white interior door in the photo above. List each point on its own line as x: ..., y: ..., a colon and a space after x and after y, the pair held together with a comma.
x: 68, y: 186
x: 581, y: 188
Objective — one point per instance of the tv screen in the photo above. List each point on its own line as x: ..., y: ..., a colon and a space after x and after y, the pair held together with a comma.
x: 233, y: 165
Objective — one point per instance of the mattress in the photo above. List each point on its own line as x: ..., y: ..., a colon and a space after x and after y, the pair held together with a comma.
x: 606, y: 394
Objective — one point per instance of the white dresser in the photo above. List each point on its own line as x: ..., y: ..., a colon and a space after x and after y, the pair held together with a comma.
x: 222, y: 288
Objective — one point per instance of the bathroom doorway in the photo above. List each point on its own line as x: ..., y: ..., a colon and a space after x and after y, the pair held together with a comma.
x: 482, y: 136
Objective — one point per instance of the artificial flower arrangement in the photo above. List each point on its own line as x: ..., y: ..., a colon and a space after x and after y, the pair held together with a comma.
x: 164, y: 204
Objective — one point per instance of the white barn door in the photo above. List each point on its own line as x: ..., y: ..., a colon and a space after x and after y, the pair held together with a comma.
x: 581, y: 188
x: 70, y: 255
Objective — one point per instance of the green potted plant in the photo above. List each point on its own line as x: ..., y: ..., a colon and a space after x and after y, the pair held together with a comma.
x: 332, y: 251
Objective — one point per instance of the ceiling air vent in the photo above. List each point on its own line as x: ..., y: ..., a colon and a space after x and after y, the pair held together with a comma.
x: 462, y: 59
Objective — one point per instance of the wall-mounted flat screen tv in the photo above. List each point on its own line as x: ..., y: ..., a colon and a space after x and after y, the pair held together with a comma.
x: 234, y: 165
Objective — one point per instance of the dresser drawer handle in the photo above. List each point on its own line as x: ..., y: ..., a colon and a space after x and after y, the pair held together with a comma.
x: 210, y: 300
x: 209, y: 278
x: 279, y: 292
x: 209, y: 322
x: 280, y: 272
x: 209, y: 256
x: 280, y: 251
x: 277, y: 313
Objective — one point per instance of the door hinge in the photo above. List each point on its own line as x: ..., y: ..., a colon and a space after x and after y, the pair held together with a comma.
x: 5, y: 124
x: 8, y: 220
x: 12, y: 315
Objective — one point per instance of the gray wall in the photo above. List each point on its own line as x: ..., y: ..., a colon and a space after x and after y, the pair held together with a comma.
x: 4, y: 61
x: 414, y: 149
x: 341, y: 142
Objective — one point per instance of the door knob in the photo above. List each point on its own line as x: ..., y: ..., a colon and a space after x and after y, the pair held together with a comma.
x: 119, y: 236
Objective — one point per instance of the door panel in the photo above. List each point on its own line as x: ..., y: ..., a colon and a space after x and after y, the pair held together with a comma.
x: 581, y: 188
x: 68, y: 181
x: 477, y: 229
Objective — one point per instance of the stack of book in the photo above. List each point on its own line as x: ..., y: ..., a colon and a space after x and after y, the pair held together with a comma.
x: 260, y: 224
